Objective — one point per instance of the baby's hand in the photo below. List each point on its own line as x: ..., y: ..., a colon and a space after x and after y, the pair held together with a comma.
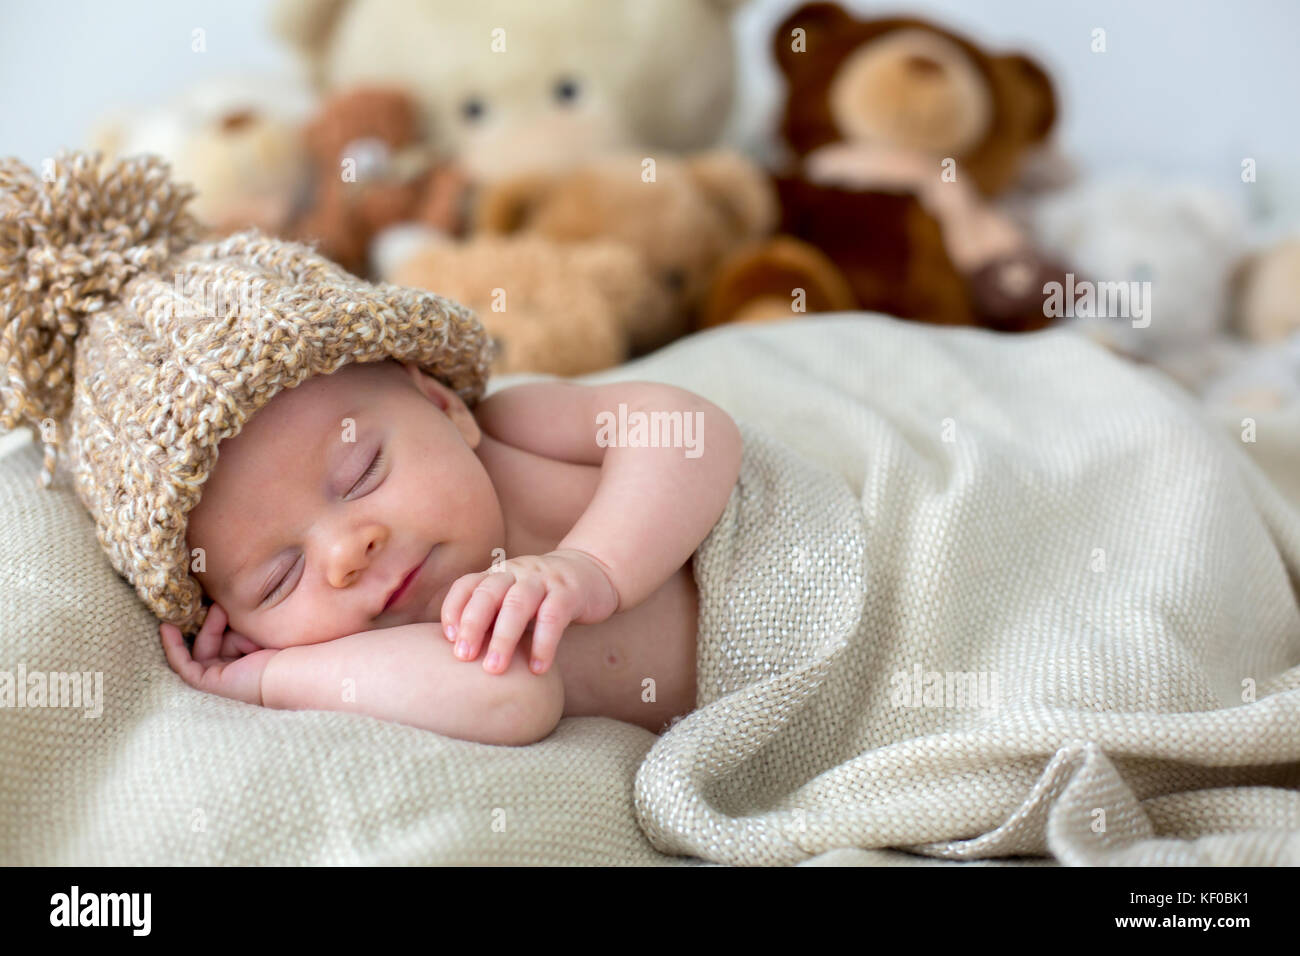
x: 224, y: 662
x: 558, y: 588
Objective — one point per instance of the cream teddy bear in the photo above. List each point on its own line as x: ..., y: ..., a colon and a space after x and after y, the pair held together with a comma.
x: 506, y: 87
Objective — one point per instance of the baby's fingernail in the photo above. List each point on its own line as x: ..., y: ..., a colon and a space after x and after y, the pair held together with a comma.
x: 450, y: 631
x: 537, y: 666
x: 492, y: 660
x: 462, y: 649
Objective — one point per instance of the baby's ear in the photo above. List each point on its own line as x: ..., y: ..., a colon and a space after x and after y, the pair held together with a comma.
x: 428, y: 385
x: 447, y: 400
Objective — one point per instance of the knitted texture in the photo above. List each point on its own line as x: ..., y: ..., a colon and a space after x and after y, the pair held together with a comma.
x: 131, y: 348
x: 1115, y: 686
x: 983, y: 596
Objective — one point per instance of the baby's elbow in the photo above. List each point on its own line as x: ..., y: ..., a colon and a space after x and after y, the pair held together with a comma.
x: 526, y: 717
x: 735, y: 443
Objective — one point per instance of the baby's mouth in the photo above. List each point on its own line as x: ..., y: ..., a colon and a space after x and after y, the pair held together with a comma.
x: 409, y: 584
x: 401, y: 590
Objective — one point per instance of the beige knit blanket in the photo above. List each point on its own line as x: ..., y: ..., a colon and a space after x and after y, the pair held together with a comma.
x: 1009, y: 597
x: 1023, y: 511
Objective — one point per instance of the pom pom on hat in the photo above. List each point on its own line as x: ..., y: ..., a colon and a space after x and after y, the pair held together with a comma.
x: 69, y: 241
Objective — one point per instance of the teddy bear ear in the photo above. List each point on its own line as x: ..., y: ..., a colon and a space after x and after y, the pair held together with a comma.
x: 306, y: 26
x: 743, y: 192
x: 1027, y: 94
x: 816, y: 20
x: 508, y: 206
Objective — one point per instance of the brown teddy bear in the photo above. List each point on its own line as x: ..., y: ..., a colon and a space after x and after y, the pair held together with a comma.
x: 370, y: 171
x: 673, y: 219
x: 902, y: 131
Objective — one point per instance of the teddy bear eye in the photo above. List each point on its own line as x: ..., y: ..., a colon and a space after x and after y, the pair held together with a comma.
x: 675, y: 279
x: 472, y: 109
x: 566, y: 90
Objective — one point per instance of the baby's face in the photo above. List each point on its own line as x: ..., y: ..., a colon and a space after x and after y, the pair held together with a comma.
x: 332, y: 493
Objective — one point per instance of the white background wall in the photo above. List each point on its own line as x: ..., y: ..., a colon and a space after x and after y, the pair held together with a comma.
x: 1184, y: 86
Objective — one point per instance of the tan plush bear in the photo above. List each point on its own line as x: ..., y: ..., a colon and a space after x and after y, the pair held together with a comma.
x: 641, y: 234
x: 681, y: 215
x: 662, y: 224
x: 1267, y: 288
x: 236, y: 140
x: 557, y: 308
x: 1261, y: 371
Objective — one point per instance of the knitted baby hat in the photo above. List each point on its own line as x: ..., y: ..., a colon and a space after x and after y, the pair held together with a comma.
x: 132, y: 345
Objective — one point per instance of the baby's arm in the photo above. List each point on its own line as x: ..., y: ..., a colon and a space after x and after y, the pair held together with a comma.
x: 408, y: 674
x: 652, y: 507
x: 405, y: 674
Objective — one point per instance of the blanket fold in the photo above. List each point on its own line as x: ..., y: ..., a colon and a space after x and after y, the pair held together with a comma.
x: 1009, y: 597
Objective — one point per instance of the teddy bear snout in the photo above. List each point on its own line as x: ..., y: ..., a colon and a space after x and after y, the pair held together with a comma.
x: 237, y: 120
x: 911, y: 90
x: 924, y: 67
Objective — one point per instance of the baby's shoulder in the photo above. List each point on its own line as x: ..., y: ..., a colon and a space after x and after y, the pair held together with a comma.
x: 559, y: 419
x: 545, y: 418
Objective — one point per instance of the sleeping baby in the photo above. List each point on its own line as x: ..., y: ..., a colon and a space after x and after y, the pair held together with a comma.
x: 368, y: 540
x: 298, y: 469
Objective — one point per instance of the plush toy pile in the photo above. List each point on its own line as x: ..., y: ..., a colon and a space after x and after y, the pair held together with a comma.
x: 562, y: 169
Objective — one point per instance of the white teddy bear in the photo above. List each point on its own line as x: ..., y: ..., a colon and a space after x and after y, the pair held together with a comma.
x: 1173, y: 246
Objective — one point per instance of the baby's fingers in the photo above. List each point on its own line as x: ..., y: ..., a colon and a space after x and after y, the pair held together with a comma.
x: 517, y: 609
x: 453, y: 605
x: 555, y: 614
x: 207, y: 644
x: 484, y: 601
x: 178, y: 655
